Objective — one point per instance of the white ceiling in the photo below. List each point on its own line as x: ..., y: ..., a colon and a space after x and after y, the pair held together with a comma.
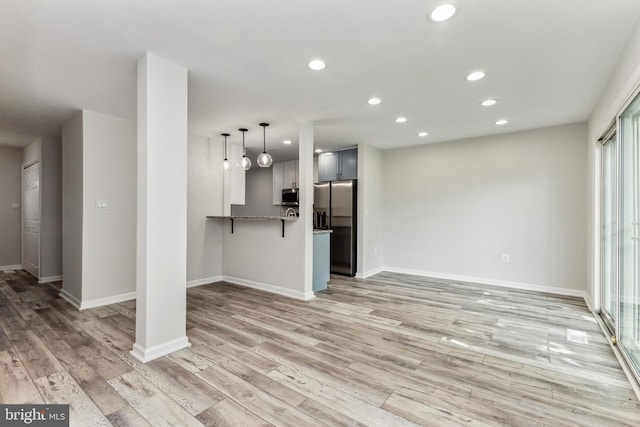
x: 546, y: 61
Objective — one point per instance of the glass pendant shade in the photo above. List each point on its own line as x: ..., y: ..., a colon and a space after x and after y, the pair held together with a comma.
x: 226, y: 165
x: 264, y: 159
x: 244, y: 162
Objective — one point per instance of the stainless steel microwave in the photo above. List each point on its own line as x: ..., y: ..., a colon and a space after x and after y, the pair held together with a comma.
x: 290, y: 197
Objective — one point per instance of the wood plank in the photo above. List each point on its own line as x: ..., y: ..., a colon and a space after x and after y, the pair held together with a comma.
x: 422, y: 414
x: 127, y: 417
x: 150, y: 402
x: 338, y: 400
x: 187, y: 390
x: 228, y: 413
x: 37, y: 358
x: 17, y: 386
x: 259, y: 402
x: 61, y: 388
x: 97, y: 388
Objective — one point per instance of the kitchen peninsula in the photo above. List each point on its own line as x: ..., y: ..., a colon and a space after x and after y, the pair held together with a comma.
x: 233, y: 218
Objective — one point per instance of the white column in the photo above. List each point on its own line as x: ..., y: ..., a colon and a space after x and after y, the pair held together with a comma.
x: 305, y: 154
x: 162, y: 209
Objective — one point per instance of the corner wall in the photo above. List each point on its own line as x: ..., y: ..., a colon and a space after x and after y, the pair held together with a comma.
x: 51, y: 221
x: 371, y: 177
x: 109, y: 237
x: 72, y: 212
x: 99, y: 245
x: 452, y: 209
x: 10, y: 216
x: 204, y: 197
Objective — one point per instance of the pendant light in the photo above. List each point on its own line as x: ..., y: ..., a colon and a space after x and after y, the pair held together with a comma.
x: 264, y: 159
x: 244, y: 162
x: 226, y: 165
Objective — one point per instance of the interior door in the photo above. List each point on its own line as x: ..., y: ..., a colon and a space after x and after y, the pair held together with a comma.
x: 31, y: 219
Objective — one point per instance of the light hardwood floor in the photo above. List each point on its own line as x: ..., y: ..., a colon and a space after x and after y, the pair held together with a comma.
x: 391, y: 350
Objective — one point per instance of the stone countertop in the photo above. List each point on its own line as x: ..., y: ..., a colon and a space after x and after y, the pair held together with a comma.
x: 254, y: 218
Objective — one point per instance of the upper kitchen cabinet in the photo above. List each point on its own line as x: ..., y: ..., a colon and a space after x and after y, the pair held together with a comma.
x: 336, y: 165
x: 234, y: 181
x: 285, y: 175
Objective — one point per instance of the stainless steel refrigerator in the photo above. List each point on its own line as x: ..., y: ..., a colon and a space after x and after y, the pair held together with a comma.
x: 336, y: 201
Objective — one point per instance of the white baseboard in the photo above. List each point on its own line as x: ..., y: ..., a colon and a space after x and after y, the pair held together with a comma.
x: 49, y: 279
x: 70, y: 298
x: 369, y: 273
x: 99, y: 302
x: 204, y: 281
x: 151, y: 353
x: 587, y: 300
x: 305, y: 296
x: 11, y: 267
x: 491, y: 282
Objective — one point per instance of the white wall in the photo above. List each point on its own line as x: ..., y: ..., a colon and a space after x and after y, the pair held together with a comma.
x: 258, y: 194
x: 204, y: 197
x: 72, y: 210
x: 99, y: 246
x: 109, y: 237
x: 371, y: 176
x: 622, y: 86
x: 10, y: 217
x: 51, y: 221
x: 453, y: 208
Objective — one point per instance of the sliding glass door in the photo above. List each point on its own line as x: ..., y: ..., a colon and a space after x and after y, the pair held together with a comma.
x: 609, y: 233
x: 620, y: 233
x: 628, y: 317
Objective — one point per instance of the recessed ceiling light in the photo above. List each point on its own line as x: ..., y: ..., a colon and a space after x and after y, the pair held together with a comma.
x: 476, y: 75
x: 287, y: 142
x: 317, y: 65
x: 374, y: 101
x: 401, y: 120
x: 318, y: 150
x: 442, y: 12
x: 423, y: 134
x: 488, y: 102
x: 501, y: 122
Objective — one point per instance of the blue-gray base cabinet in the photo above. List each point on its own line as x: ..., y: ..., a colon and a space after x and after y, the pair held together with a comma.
x: 321, y: 259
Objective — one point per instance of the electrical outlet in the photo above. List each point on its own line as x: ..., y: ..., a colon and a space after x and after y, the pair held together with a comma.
x: 375, y: 249
x: 101, y: 204
x: 15, y: 205
x: 505, y: 258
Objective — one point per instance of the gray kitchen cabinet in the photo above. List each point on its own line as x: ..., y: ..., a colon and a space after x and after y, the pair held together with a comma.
x: 290, y: 175
x: 285, y: 175
x: 336, y: 165
x: 278, y: 177
x: 349, y: 164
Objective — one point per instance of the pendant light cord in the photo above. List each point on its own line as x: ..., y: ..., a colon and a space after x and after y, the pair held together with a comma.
x: 225, y: 144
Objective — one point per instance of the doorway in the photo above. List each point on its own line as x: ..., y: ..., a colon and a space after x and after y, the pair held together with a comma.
x: 31, y: 219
